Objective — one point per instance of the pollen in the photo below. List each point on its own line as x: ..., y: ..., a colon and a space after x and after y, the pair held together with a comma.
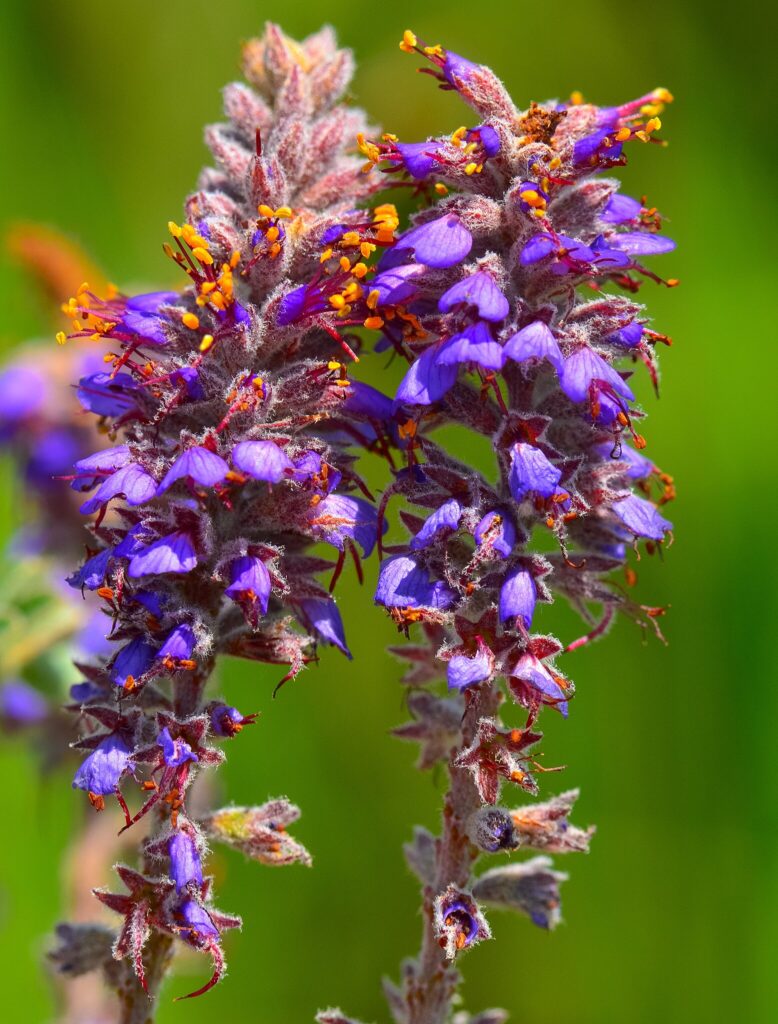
x: 61, y: 337
x: 191, y: 321
x: 408, y: 43
x: 206, y: 343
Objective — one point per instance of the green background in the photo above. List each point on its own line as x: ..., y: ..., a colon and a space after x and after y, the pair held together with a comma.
x: 673, y: 915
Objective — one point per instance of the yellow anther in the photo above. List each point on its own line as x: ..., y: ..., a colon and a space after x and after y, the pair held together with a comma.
x: 275, y: 249
x: 333, y: 364
x: 168, y: 250
x: 272, y: 234
x: 434, y: 51
x: 284, y: 212
x: 206, y: 343
x: 342, y: 383
x: 470, y: 148
x: 622, y: 134
x: 653, y: 124
x: 385, y: 210
x: 359, y: 270
x: 202, y: 255
x: 61, y: 337
x: 353, y: 291
x: 662, y: 95
x: 325, y: 256
x: 108, y: 357
x: 207, y: 286
x: 409, y: 42
x: 372, y: 299
x: 652, y: 109
x: 555, y: 163
x: 234, y: 259
x: 367, y: 249
x: 471, y: 168
x: 191, y: 321
x: 643, y: 136
x: 345, y: 263
x: 258, y: 383
x: 201, y: 301
x: 337, y: 301
x: 368, y: 149
x: 218, y: 300
x: 174, y: 229
x: 350, y: 238
x: 576, y: 97
x: 440, y: 188
x: 264, y: 211
x: 389, y: 137
x: 458, y: 135
x: 83, y: 287
x: 373, y: 323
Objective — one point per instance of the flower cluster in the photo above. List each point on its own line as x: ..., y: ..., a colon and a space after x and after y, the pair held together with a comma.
x: 227, y: 408
x: 512, y: 298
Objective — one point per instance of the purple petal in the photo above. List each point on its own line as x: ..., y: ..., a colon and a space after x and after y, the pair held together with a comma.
x: 536, y: 341
x: 396, y: 284
x: 101, y: 771
x: 366, y: 402
x: 249, y: 579
x: 620, y: 209
x: 532, y: 472
x: 321, y: 616
x: 175, y: 752
x: 21, y: 703
x: 92, y: 573
x: 132, y: 481
x: 262, y: 460
x: 107, y: 460
x: 107, y: 395
x: 185, y: 863
x: 445, y: 518
x: 179, y: 644
x: 584, y: 367
x: 418, y: 157
x: 477, y: 290
x: 500, y: 538
x: 457, y: 69
x: 174, y: 553
x: 199, y: 464
x: 473, y: 345
x: 463, y: 671
x: 150, y: 303
x: 340, y: 516
x: 426, y: 380
x: 639, y: 243
x: 438, y: 243
x: 488, y: 138
x: 134, y: 659
x: 537, y: 248
x: 197, y: 920
x: 518, y: 596
x: 638, y: 467
x: 403, y: 583
x: 629, y: 336
x: 641, y: 517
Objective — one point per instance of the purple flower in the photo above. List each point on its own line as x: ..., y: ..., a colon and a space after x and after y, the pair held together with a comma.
x: 142, y: 316
x: 457, y: 69
x: 108, y: 460
x: 537, y: 248
x: 641, y: 517
x: 600, y: 143
x: 584, y: 369
x: 427, y: 380
x: 250, y: 582
x: 496, y: 533
x: 304, y: 301
x: 339, y: 517
x: 227, y: 721
x: 101, y: 770
x: 175, y: 752
x: 418, y: 157
x: 463, y: 671
x: 640, y: 243
x: 473, y: 345
x: 487, y: 136
x: 531, y: 472
x: 131, y: 480
x: 173, y: 553
x: 368, y: 402
x: 478, y: 290
x: 535, y: 341
x: 404, y: 583
x: 396, y: 285
x: 638, y: 467
x: 197, y: 921
x: 321, y: 615
x: 445, y: 518
x: 22, y: 704
x: 132, y: 661
x: 518, y: 595
x: 629, y: 336
x: 185, y: 866
x: 438, y: 243
x: 179, y: 644
x: 23, y: 392
x: 620, y: 209
x: 106, y: 394
x: 533, y: 672
x: 199, y: 464
x: 92, y: 573
x: 262, y: 460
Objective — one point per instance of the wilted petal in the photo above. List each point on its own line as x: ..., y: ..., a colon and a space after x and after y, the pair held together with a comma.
x: 496, y: 530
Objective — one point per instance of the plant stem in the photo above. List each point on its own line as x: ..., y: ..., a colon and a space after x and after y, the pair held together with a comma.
x: 431, y: 987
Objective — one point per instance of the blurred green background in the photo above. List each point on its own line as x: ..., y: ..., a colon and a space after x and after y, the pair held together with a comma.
x: 673, y: 915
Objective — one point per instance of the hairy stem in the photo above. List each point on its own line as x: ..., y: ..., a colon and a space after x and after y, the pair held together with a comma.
x: 430, y: 990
